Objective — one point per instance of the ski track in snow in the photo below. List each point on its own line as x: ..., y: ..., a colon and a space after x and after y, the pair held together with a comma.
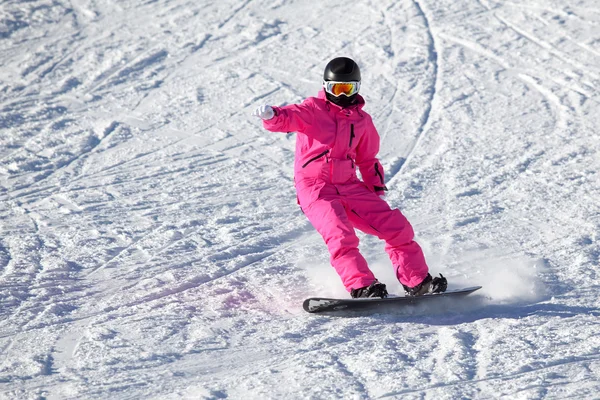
x: 151, y: 246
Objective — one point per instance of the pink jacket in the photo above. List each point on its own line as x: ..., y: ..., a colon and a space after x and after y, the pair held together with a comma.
x: 332, y: 141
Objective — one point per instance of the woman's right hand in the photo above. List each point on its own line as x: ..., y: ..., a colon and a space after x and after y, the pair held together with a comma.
x: 265, y: 112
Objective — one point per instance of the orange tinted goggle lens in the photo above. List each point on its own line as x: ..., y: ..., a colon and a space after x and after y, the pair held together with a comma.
x: 342, y: 88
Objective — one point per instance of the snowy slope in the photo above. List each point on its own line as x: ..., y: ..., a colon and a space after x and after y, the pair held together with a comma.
x: 151, y: 247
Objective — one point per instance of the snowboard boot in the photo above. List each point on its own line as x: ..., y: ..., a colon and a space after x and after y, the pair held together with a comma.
x: 375, y: 289
x: 429, y: 285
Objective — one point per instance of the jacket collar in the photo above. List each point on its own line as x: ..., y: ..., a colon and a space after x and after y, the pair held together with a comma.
x: 357, y: 106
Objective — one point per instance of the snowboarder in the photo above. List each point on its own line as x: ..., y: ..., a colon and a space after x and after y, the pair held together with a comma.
x: 335, y: 135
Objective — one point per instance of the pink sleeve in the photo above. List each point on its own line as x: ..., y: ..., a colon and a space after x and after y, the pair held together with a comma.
x: 291, y: 118
x: 366, y: 159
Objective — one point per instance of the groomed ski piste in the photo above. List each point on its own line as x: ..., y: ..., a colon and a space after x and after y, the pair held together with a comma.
x: 150, y: 242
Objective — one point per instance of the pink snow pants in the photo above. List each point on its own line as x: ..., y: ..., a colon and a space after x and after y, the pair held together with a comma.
x: 341, y: 208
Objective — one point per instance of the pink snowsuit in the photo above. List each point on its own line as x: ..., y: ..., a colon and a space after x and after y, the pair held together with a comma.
x: 331, y: 142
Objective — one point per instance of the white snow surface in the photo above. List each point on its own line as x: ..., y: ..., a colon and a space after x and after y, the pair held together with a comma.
x: 151, y: 246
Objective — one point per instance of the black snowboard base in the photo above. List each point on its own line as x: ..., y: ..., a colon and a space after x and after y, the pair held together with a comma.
x: 321, y: 304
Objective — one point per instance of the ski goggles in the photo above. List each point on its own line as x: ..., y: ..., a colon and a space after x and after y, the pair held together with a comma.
x: 339, y: 88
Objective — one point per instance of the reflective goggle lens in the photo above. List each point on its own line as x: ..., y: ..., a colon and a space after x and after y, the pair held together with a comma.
x: 339, y: 88
x: 342, y: 88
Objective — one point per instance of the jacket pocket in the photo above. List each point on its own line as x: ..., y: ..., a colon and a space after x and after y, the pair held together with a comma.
x: 315, y: 158
x: 365, y: 221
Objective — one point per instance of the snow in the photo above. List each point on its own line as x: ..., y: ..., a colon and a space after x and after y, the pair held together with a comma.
x: 150, y: 241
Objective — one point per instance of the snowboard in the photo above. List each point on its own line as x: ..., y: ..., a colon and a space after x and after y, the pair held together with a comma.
x: 321, y: 304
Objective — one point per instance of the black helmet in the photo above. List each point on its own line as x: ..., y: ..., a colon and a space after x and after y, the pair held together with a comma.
x: 342, y: 69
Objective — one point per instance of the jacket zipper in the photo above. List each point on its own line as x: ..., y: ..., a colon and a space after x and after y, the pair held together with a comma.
x: 351, y: 134
x: 351, y: 160
x: 378, y: 172
x: 315, y: 158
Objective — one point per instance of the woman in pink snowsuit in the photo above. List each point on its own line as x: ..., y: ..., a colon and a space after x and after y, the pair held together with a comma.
x: 334, y: 137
